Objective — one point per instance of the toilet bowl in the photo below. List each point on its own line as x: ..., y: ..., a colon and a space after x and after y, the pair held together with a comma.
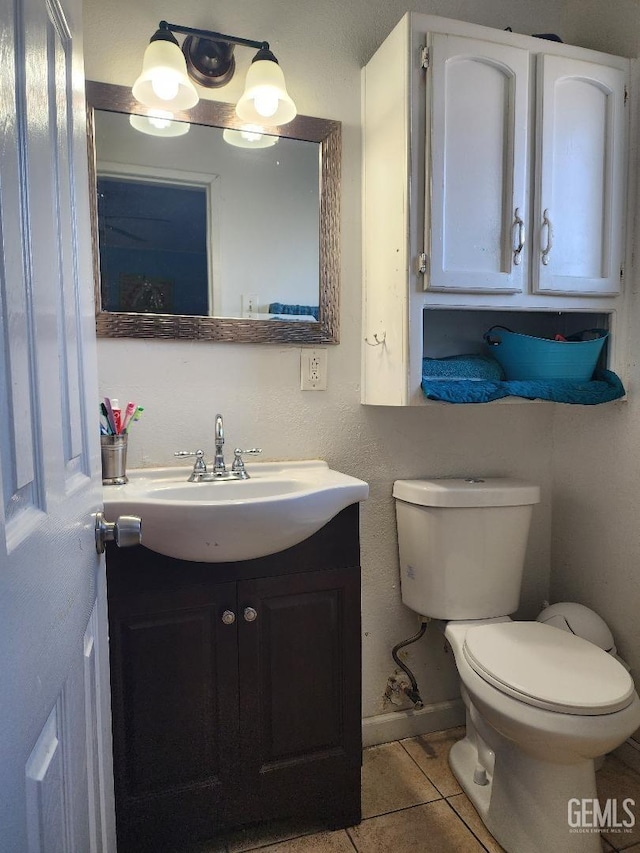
x: 541, y: 703
x: 526, y: 757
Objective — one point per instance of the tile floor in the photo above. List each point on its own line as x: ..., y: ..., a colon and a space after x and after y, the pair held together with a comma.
x: 411, y: 803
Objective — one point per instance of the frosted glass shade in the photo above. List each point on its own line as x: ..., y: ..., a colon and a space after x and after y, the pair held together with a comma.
x: 250, y: 136
x: 163, y: 83
x: 265, y: 100
x: 157, y: 124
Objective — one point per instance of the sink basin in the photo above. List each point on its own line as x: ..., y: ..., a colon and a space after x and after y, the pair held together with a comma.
x: 282, y: 504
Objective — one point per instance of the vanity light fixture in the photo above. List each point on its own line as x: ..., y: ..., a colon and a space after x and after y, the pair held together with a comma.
x: 159, y: 123
x: 207, y: 57
x: 249, y: 136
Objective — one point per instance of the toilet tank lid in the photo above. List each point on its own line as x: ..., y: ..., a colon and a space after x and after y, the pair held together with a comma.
x: 467, y: 492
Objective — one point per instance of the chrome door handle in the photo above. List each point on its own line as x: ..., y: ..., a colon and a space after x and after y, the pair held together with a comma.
x: 546, y: 223
x: 125, y: 532
x: 518, y: 229
x: 250, y: 614
x: 228, y: 617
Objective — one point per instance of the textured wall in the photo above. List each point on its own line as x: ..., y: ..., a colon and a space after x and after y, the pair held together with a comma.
x: 612, y: 27
x: 322, y: 47
x: 596, y: 454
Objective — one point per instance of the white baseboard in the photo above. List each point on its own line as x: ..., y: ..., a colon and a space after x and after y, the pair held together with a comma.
x: 397, y: 725
x: 384, y: 728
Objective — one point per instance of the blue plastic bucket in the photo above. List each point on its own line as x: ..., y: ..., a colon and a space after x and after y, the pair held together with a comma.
x: 528, y: 357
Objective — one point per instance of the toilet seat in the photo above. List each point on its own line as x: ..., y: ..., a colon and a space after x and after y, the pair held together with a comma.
x: 548, y: 668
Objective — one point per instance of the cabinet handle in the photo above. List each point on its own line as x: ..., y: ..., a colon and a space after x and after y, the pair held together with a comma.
x: 518, y: 241
x: 228, y: 617
x: 250, y: 614
x: 546, y: 223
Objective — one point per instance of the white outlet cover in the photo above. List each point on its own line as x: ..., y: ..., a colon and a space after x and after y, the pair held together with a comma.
x: 313, y: 369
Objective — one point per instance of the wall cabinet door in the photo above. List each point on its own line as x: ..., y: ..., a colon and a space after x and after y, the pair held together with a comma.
x: 476, y: 191
x: 580, y: 163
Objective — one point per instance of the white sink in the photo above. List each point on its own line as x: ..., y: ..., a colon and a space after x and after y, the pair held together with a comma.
x: 281, y: 504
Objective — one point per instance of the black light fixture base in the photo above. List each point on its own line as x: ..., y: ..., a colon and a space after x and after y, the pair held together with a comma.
x: 163, y: 34
x: 266, y: 54
x: 209, y: 63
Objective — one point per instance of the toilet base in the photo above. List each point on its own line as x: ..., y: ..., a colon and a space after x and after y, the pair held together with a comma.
x: 524, y: 803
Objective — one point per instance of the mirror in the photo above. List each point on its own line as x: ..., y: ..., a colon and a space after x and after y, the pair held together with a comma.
x: 197, y: 238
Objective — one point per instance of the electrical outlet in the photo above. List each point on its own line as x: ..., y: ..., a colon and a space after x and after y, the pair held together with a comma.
x: 313, y: 369
x: 249, y: 304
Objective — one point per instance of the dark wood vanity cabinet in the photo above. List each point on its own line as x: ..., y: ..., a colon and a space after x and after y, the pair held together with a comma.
x: 236, y: 689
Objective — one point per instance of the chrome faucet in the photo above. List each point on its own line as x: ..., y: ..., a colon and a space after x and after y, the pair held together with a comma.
x: 218, y: 472
x: 218, y: 462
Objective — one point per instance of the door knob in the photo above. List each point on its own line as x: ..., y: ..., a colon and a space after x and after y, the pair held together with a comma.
x: 250, y: 614
x: 228, y: 617
x: 126, y: 531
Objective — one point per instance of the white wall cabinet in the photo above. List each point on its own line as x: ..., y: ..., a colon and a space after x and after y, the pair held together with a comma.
x: 494, y: 179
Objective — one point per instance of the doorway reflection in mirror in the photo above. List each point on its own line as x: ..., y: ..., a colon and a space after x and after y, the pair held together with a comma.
x: 220, y: 220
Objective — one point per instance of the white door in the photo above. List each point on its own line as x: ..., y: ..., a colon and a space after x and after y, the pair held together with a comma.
x: 478, y: 174
x: 580, y: 194
x: 55, y: 790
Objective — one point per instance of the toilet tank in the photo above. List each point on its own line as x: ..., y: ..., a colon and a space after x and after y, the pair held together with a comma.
x: 462, y: 544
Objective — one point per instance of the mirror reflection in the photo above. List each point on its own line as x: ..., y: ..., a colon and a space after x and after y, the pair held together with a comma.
x: 204, y: 229
x: 191, y: 224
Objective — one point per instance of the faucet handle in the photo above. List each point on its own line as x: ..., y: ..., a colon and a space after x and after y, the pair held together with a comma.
x: 238, y: 461
x: 199, y: 466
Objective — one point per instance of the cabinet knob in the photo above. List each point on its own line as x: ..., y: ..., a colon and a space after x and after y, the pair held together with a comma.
x: 228, y: 617
x: 250, y: 614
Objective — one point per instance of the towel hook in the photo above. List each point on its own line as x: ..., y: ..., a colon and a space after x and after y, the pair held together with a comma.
x: 378, y: 341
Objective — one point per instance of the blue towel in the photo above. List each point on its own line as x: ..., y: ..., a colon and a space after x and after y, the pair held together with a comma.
x: 476, y: 367
x: 604, y: 388
x: 283, y: 308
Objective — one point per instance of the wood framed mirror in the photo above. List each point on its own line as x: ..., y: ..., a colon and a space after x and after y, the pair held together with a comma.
x: 279, y: 283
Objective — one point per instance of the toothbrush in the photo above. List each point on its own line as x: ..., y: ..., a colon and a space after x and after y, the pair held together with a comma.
x: 128, y: 414
x: 135, y: 416
x: 110, y: 417
x: 105, y: 427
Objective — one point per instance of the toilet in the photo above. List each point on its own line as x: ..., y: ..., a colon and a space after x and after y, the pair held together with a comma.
x: 541, y: 703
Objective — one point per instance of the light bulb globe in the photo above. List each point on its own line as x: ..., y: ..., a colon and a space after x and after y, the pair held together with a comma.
x: 164, y: 81
x: 265, y: 99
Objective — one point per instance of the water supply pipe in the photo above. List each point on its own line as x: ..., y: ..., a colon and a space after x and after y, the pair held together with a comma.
x: 412, y: 692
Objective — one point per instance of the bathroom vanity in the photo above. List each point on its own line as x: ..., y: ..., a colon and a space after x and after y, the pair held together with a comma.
x: 236, y: 688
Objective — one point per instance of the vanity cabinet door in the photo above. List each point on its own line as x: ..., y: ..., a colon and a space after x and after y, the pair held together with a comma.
x: 580, y: 194
x: 300, y: 716
x: 477, y: 190
x: 175, y: 700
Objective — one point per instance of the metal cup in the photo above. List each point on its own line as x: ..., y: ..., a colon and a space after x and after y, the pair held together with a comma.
x: 114, y: 459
